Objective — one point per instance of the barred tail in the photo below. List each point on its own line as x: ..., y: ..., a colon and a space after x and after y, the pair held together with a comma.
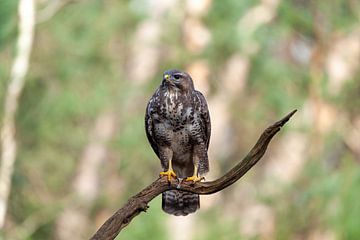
x: 180, y: 203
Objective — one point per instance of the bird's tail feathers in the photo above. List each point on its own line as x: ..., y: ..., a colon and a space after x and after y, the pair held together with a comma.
x: 180, y: 203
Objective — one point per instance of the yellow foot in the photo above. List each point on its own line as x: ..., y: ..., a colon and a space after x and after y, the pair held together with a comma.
x: 169, y: 173
x: 194, y: 179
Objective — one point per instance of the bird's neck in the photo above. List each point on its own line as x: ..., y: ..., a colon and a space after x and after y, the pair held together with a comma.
x: 176, y: 94
x: 174, y: 91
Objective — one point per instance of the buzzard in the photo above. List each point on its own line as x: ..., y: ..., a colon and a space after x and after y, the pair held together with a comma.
x: 177, y: 124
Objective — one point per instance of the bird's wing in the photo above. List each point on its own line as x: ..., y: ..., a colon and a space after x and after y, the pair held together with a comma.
x: 205, y: 116
x: 149, y: 125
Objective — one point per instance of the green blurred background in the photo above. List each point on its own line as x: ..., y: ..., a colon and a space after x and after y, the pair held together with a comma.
x: 82, y: 149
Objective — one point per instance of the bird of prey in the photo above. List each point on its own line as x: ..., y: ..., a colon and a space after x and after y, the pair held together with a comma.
x: 177, y: 124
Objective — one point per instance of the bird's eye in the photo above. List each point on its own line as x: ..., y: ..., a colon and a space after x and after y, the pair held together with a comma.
x: 177, y: 76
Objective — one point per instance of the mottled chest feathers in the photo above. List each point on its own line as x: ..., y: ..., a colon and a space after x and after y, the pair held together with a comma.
x: 176, y: 107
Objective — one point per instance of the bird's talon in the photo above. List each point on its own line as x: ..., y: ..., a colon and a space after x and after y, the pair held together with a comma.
x: 169, y: 174
x: 194, y: 179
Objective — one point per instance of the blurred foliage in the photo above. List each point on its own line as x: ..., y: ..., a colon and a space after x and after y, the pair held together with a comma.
x: 349, y: 96
x: 8, y: 10
x: 147, y: 226
x: 322, y: 198
x: 78, y: 69
x: 222, y: 21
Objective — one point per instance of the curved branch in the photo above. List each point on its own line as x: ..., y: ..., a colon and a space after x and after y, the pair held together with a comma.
x: 138, y: 203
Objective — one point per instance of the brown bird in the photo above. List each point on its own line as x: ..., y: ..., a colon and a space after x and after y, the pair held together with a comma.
x: 177, y: 124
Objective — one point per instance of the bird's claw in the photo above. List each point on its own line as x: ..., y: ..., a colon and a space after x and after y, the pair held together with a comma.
x: 169, y: 173
x: 194, y: 179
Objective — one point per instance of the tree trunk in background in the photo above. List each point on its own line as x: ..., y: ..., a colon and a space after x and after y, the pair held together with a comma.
x: 74, y: 221
x: 146, y: 47
x: 260, y: 218
x: 19, y: 69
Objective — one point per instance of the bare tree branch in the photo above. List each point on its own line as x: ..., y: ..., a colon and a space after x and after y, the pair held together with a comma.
x: 138, y: 203
x: 16, y: 84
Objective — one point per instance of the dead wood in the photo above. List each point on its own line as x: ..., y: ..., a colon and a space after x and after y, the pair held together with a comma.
x: 138, y: 203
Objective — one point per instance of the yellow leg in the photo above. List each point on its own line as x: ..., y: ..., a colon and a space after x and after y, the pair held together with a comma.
x: 170, y: 172
x: 194, y: 177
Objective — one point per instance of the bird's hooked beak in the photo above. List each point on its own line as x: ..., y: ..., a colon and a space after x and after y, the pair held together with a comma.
x: 167, y: 77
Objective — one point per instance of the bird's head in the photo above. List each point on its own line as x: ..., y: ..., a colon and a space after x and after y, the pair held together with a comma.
x: 178, y: 80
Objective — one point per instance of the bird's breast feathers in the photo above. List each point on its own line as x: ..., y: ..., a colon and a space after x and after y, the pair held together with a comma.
x: 176, y: 107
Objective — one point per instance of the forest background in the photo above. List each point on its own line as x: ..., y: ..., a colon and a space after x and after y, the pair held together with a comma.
x: 81, y: 144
